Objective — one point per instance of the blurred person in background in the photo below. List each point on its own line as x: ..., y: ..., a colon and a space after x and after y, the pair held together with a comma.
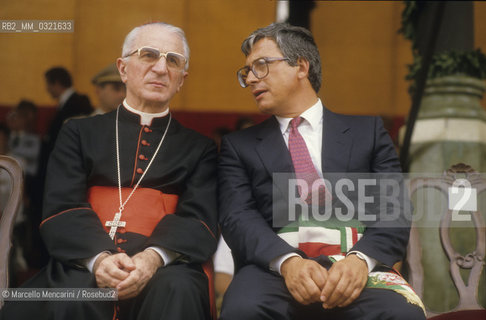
x: 59, y: 84
x: 110, y: 89
x: 25, y: 146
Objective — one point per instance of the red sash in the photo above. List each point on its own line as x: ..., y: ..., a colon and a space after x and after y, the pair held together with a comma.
x: 142, y: 212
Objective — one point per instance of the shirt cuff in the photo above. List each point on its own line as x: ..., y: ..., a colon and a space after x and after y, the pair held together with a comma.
x: 369, y: 261
x: 167, y: 255
x: 276, y: 263
x: 89, y: 263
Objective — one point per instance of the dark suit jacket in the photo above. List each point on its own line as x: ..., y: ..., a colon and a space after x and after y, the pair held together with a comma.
x: 76, y: 105
x: 249, y: 158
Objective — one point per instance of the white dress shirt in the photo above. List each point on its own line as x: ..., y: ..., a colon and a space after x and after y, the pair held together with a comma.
x: 311, y: 131
x: 64, y: 97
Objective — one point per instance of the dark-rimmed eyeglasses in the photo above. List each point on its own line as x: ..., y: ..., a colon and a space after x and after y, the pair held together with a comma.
x: 149, y: 55
x: 259, y: 67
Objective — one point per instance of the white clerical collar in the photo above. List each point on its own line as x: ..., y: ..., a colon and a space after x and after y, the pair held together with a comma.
x: 65, y: 96
x: 145, y: 117
x: 313, y: 116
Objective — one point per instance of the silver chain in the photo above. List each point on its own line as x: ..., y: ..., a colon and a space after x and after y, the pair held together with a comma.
x: 122, y: 204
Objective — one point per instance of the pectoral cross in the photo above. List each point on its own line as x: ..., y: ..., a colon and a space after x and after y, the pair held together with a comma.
x: 115, y: 224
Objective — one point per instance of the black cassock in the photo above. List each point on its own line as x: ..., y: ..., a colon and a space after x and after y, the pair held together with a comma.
x: 173, y: 208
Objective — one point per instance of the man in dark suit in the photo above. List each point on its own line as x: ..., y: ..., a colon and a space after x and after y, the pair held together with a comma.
x: 60, y: 86
x: 276, y: 279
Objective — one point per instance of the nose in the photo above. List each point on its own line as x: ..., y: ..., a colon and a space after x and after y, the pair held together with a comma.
x: 251, y: 78
x: 160, y: 66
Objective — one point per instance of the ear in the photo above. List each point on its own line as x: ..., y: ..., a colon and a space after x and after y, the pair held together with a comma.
x: 184, y: 76
x: 121, y: 64
x: 303, y: 71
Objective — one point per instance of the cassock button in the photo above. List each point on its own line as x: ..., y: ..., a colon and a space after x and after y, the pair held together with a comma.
x: 139, y: 171
x: 119, y: 240
x: 119, y: 249
x: 145, y: 143
x: 146, y: 129
x: 142, y: 157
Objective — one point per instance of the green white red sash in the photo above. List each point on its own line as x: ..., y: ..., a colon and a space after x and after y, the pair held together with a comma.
x: 335, y: 239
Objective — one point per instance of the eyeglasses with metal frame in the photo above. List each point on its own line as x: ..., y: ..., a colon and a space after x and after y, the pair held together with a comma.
x: 259, y: 67
x: 149, y: 55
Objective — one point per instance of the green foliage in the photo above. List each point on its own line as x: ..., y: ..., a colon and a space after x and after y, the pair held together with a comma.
x: 410, y: 16
x: 469, y: 63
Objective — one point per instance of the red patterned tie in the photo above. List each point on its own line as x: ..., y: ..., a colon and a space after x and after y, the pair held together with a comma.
x: 303, y: 165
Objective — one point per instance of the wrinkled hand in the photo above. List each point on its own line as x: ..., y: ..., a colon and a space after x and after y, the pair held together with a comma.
x: 304, y: 279
x: 110, y: 270
x: 346, y: 279
x: 146, y: 264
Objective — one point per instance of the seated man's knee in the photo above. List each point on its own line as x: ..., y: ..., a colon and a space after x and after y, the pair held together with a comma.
x: 402, y: 311
x: 255, y: 294
x: 411, y: 312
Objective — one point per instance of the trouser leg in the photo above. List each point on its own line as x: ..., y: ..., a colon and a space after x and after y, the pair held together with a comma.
x: 175, y: 292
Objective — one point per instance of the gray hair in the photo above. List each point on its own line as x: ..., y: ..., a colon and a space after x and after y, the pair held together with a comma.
x: 294, y: 43
x: 132, y: 35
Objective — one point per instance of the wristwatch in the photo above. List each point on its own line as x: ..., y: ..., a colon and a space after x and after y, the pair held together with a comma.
x: 362, y: 257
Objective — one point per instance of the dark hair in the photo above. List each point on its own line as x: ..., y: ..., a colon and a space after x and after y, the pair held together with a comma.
x: 294, y: 42
x: 26, y: 106
x: 59, y: 75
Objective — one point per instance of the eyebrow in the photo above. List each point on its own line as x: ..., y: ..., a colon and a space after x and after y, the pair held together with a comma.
x: 246, y: 65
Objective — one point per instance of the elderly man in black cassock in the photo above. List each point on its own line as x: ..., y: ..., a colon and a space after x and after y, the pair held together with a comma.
x: 130, y: 199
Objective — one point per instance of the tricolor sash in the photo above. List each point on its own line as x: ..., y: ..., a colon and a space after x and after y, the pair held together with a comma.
x: 335, y: 239
x: 331, y: 238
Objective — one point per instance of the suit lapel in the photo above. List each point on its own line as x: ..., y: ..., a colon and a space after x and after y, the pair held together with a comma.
x: 336, y: 143
x: 271, y: 148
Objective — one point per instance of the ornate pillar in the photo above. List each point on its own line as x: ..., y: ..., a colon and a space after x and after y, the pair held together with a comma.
x: 450, y: 128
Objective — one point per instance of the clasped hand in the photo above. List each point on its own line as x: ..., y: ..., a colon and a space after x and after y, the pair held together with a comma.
x: 129, y: 275
x: 308, y: 282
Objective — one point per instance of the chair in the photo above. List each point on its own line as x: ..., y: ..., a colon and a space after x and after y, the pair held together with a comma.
x: 468, y: 306
x: 7, y: 217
